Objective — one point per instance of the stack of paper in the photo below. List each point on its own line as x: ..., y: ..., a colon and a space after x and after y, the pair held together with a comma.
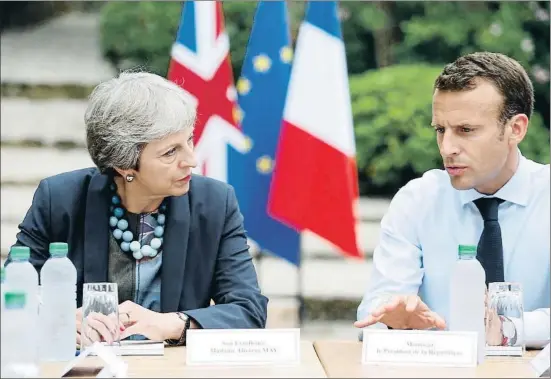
x: 140, y: 347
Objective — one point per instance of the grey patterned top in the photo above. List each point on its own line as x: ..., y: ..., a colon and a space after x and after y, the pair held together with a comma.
x: 138, y: 281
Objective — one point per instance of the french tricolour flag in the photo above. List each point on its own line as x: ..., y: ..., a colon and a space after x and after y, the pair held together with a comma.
x: 314, y: 185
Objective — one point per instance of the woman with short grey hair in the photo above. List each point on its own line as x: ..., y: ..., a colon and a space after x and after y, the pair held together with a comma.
x: 130, y: 111
x: 173, y: 241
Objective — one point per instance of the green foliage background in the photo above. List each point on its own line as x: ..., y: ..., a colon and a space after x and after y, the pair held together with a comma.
x: 395, y: 50
x: 392, y: 116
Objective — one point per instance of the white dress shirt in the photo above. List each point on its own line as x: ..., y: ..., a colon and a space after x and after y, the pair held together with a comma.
x: 428, y: 219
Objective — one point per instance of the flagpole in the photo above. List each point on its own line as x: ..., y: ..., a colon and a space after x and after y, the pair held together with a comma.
x: 300, y: 295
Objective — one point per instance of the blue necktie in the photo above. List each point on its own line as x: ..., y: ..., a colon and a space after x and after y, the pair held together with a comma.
x: 490, y: 246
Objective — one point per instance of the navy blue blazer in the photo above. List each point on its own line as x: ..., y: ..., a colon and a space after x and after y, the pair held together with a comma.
x: 205, y: 251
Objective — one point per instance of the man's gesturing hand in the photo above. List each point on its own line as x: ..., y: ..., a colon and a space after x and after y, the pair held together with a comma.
x: 404, y: 312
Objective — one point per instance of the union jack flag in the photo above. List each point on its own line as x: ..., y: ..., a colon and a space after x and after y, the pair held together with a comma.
x: 200, y: 64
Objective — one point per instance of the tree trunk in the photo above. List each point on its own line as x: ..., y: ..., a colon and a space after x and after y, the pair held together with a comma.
x: 384, y: 37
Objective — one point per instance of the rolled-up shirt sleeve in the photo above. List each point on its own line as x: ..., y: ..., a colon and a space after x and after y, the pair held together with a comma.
x: 533, y: 329
x: 397, y: 267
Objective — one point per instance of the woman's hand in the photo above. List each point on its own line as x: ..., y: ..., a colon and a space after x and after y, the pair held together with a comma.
x: 99, y: 328
x: 152, y: 325
x: 78, y: 317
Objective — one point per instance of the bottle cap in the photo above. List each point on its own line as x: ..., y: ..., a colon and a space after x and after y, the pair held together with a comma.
x: 14, y: 300
x: 467, y: 250
x: 20, y: 253
x: 59, y: 249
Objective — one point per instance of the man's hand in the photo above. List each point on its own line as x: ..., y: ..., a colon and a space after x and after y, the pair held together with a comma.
x: 404, y: 312
x: 152, y: 325
x: 494, y: 334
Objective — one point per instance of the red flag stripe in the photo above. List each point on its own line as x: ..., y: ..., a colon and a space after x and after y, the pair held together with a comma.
x: 310, y: 174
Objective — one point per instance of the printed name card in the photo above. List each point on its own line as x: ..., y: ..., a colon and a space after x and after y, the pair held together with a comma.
x: 112, y: 366
x: 419, y: 348
x: 540, y: 363
x: 224, y: 347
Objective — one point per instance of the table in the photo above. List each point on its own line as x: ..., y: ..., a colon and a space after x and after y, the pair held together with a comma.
x: 173, y: 365
x: 342, y: 359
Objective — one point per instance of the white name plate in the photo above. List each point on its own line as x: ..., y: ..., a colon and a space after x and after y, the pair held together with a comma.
x: 112, y: 366
x: 419, y: 348
x: 540, y: 363
x: 225, y: 347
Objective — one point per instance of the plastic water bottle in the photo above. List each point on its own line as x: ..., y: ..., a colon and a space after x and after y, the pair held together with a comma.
x: 467, y: 297
x: 2, y: 285
x: 58, y: 278
x: 17, y: 361
x: 21, y: 276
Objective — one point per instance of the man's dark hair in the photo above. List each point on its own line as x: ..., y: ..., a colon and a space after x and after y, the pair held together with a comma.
x: 505, y: 73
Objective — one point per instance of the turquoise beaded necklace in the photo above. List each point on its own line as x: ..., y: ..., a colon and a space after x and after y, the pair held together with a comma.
x: 125, y: 238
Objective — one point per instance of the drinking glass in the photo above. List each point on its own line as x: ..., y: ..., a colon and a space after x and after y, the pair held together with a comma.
x: 100, y: 315
x: 505, y: 319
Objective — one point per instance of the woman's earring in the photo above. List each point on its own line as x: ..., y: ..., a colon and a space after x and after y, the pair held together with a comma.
x: 129, y: 178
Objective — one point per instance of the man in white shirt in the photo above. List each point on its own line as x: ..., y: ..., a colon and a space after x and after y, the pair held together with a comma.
x: 489, y: 196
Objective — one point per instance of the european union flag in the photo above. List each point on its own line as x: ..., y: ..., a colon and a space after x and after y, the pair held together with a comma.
x: 262, y: 89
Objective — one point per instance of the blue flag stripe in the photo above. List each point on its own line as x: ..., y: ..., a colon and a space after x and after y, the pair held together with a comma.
x: 262, y: 89
x: 186, y: 32
x: 324, y: 15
